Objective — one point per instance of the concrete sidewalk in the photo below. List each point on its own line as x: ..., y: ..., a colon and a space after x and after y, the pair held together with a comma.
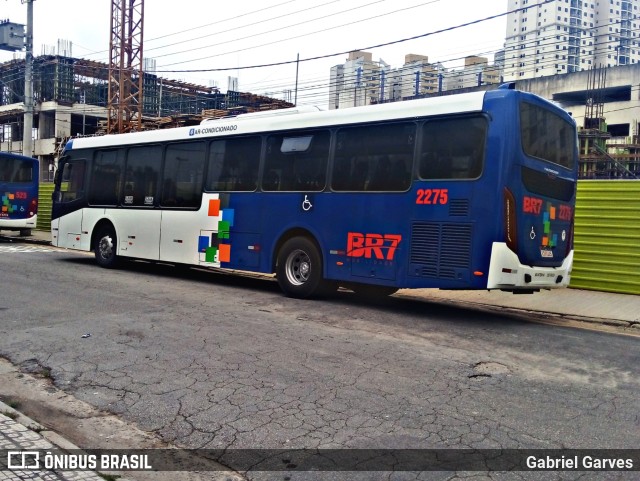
x: 622, y: 310
x: 19, y: 433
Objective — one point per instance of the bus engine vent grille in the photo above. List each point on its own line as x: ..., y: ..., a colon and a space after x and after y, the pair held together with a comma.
x: 440, y: 250
x: 459, y: 207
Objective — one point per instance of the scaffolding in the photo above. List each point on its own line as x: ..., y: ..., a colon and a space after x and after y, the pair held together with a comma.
x: 600, y: 156
x: 78, y: 82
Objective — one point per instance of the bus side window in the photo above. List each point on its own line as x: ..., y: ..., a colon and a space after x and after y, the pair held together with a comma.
x: 106, y: 177
x: 183, y: 174
x: 296, y: 162
x: 453, y: 149
x: 233, y: 164
x: 72, y: 181
x: 141, y: 176
x: 377, y: 158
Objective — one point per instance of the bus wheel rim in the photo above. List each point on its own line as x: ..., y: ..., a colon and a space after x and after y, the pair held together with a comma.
x: 106, y: 247
x: 298, y: 267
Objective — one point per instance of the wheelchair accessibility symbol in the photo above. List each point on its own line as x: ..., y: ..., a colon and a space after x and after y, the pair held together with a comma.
x: 306, y: 204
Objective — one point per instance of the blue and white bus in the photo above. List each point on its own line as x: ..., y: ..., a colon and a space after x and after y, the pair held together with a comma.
x: 469, y: 191
x: 18, y: 192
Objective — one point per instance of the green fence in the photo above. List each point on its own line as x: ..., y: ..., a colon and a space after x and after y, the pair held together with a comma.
x: 607, y: 236
x: 44, y: 206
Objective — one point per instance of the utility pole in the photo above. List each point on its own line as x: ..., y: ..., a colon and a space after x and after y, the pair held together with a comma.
x: 27, y: 134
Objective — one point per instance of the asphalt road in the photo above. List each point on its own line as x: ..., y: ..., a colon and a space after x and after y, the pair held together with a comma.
x: 210, y: 360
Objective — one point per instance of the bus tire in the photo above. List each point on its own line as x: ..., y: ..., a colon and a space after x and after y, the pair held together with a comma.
x: 299, y: 270
x: 105, y: 247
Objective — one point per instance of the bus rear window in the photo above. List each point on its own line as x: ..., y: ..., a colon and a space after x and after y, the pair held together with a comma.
x: 16, y: 170
x: 547, y: 186
x: 547, y: 136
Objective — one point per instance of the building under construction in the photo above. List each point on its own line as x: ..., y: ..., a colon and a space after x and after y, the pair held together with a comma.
x: 71, y: 99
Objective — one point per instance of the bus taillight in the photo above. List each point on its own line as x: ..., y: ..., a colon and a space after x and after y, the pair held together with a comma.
x: 569, y: 239
x: 510, y: 220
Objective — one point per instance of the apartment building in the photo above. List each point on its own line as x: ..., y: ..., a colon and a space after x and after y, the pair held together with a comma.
x: 358, y: 81
x: 363, y: 81
x: 566, y: 36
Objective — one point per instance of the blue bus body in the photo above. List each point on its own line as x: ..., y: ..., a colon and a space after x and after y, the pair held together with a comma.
x: 18, y: 192
x: 506, y: 225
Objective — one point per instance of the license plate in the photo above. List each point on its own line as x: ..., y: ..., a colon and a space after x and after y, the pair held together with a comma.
x: 546, y: 253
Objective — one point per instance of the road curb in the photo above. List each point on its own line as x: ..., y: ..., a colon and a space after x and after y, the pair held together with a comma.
x: 542, y: 316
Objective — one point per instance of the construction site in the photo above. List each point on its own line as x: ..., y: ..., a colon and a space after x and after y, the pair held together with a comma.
x: 75, y: 97
x: 71, y: 99
x: 603, y: 155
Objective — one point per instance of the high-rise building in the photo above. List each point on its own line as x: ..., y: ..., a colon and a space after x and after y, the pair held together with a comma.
x: 359, y: 81
x: 362, y: 81
x: 565, y: 36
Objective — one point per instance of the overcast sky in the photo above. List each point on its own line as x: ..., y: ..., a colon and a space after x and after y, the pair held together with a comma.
x: 209, y: 35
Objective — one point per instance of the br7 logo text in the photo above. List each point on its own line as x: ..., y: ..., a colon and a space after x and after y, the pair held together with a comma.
x: 373, y: 246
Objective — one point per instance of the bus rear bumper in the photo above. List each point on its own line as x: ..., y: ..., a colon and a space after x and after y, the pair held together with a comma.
x: 506, y: 272
x: 18, y: 224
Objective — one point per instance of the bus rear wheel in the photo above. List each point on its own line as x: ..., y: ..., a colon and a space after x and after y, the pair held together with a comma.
x: 105, y: 247
x: 299, y: 269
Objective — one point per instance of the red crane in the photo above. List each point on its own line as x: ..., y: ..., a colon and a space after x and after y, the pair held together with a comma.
x: 125, y: 66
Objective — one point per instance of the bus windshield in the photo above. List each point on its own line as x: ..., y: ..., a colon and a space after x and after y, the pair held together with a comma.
x: 535, y: 123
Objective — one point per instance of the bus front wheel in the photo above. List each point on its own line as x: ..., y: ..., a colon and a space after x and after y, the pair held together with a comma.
x: 105, y: 247
x: 299, y: 269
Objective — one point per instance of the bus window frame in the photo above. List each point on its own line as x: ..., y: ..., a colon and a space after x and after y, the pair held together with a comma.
x: 209, y: 160
x: 70, y: 161
x: 158, y: 185
x: 483, y: 161
x: 162, y: 178
x: 411, y: 168
x: 119, y: 151
x: 285, y: 134
x: 522, y: 137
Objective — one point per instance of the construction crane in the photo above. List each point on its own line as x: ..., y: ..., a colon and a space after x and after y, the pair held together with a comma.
x: 125, y: 94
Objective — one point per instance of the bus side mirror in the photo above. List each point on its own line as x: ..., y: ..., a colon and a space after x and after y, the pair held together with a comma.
x: 56, y: 196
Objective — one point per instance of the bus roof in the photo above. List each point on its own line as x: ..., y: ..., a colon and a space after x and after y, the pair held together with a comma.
x: 294, y: 118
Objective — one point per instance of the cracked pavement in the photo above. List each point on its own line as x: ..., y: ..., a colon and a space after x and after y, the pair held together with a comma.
x: 209, y: 360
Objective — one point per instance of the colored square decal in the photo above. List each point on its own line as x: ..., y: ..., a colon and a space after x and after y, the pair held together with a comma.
x: 225, y: 253
x: 547, y: 227
x: 552, y: 213
x: 203, y: 243
x: 228, y: 215
x: 223, y: 229
x: 545, y: 241
x: 214, y: 207
x: 214, y: 240
x: 210, y: 254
